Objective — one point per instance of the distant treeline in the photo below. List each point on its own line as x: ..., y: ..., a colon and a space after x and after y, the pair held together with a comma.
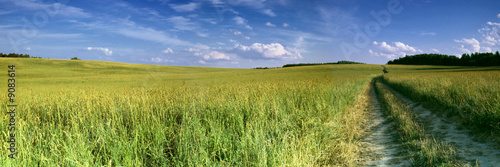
x: 17, y: 55
x: 312, y: 64
x: 474, y: 59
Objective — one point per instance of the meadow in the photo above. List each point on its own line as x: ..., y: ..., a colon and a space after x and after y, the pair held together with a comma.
x: 90, y: 113
x: 422, y: 147
x: 470, y: 95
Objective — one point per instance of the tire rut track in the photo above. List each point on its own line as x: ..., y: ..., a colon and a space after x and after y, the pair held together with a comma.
x: 483, y: 153
x: 385, y: 150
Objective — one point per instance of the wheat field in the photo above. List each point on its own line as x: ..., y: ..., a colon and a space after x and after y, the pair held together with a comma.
x: 89, y: 113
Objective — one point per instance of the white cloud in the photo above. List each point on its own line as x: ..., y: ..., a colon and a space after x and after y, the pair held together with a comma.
x: 216, y: 2
x: 52, y: 9
x: 60, y: 35
x: 213, y: 55
x: 182, y: 23
x: 237, y: 33
x: 434, y: 50
x: 185, y: 7
x: 192, y: 50
x: 498, y: 16
x: 270, y: 24
x: 492, y: 23
x: 247, y: 38
x: 397, y: 49
x: 27, y: 48
x: 268, y: 12
x: 491, y: 36
x: 469, y: 45
x: 273, y: 50
x: 105, y: 50
x: 160, y: 60
x: 285, y: 25
x: 241, y: 21
x: 427, y: 34
x: 168, y: 51
x: 200, y: 34
x: 380, y: 54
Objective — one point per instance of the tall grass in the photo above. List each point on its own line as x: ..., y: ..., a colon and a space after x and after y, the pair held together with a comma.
x: 423, y: 148
x: 471, y: 93
x: 74, y: 113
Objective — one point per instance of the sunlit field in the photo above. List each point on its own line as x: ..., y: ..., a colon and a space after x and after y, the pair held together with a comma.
x: 470, y: 93
x: 73, y: 113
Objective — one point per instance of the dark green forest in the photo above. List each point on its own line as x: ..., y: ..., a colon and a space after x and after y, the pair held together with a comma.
x: 311, y: 64
x: 17, y: 55
x: 473, y: 59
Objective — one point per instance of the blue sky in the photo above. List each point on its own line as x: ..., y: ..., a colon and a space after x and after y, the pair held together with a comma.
x: 246, y: 33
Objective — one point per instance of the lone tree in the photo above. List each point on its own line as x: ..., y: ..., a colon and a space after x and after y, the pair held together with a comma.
x: 75, y: 58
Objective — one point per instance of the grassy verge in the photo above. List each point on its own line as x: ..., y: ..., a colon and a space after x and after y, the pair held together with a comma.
x: 470, y: 94
x: 352, y: 123
x: 424, y: 149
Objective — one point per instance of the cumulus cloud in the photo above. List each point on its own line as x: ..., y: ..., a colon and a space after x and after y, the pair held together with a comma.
x: 105, y: 50
x: 392, y: 51
x: 270, y: 51
x: 241, y: 21
x: 498, y: 16
x: 213, y: 55
x: 381, y: 54
x: 185, y: 7
x: 270, y: 24
x: 168, y: 51
x: 490, y: 36
x: 192, y: 50
x: 469, y: 45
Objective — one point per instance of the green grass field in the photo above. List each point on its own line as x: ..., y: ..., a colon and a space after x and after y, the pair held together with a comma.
x: 470, y: 93
x: 422, y: 148
x: 89, y: 113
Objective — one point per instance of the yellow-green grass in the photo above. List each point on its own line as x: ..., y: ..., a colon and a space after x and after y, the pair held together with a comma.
x: 92, y: 113
x: 471, y: 93
x: 424, y: 149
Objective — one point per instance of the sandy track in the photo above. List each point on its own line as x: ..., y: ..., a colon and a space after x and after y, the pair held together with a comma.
x: 484, y: 153
x: 384, y: 149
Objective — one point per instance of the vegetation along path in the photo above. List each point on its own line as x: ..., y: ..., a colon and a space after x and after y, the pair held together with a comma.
x: 404, y: 133
x: 485, y: 153
x: 385, y: 150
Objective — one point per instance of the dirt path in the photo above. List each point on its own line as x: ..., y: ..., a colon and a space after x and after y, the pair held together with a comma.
x: 485, y: 153
x: 384, y: 149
